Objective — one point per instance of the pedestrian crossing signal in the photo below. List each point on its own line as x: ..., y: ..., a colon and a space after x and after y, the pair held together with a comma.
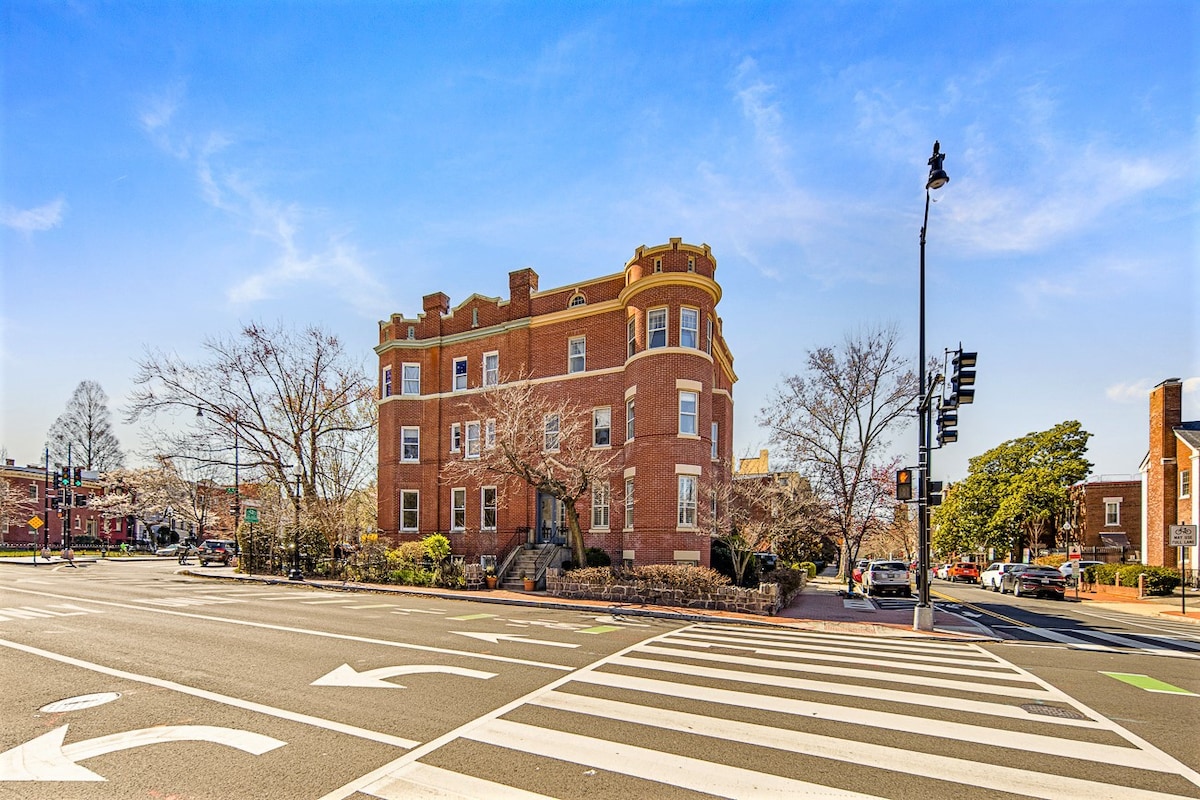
x: 904, y: 487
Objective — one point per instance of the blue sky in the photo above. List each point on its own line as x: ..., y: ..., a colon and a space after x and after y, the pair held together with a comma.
x: 173, y: 170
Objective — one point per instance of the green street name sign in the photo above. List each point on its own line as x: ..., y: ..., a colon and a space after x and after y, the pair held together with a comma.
x: 251, y: 515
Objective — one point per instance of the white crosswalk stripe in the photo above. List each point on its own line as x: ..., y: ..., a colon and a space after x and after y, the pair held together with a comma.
x: 1104, y: 641
x: 669, y: 710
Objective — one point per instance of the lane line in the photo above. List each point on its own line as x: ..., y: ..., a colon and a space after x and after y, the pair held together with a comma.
x: 246, y: 705
x: 306, y: 631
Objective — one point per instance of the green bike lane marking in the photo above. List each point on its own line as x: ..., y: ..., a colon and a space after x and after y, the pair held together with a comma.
x: 1148, y: 684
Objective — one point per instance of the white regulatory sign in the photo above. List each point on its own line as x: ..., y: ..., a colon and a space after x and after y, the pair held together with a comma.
x: 1181, y: 536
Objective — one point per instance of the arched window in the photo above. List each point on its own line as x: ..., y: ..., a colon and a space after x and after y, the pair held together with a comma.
x: 577, y: 300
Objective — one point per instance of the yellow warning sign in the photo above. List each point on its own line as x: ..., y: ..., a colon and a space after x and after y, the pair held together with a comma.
x: 36, y: 522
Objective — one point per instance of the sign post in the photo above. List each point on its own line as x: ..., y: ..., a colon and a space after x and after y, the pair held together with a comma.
x: 1183, y: 537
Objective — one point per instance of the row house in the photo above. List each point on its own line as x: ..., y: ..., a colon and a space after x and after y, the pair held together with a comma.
x: 1169, y: 496
x: 642, y: 350
x: 32, y: 486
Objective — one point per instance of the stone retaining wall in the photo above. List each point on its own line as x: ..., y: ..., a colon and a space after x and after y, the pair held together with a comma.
x: 765, y: 600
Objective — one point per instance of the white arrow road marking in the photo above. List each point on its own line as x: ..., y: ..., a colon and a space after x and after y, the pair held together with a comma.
x: 345, y: 675
x: 494, y: 638
x: 46, y: 758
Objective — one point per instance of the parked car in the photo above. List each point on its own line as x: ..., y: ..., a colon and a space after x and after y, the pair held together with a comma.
x: 1034, y: 580
x: 1069, y: 576
x: 169, y: 550
x: 942, y: 572
x: 990, y: 577
x: 963, y: 571
x: 857, y: 573
x: 218, y: 551
x: 882, y: 577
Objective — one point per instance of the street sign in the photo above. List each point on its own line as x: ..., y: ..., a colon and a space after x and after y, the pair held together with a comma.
x: 252, y: 515
x: 1075, y: 552
x: 36, y: 522
x: 1181, y: 535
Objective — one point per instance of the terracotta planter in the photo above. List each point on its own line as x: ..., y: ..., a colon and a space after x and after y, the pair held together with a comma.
x: 491, y: 581
x: 529, y: 584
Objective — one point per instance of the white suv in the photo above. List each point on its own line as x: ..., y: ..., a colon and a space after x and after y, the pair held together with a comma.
x: 990, y: 577
x: 881, y: 577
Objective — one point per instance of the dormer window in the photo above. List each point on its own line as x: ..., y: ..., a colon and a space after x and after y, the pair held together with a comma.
x: 577, y: 300
x: 412, y: 332
x: 658, y: 265
x: 691, y: 264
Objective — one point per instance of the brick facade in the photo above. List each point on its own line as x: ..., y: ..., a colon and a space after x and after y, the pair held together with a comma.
x: 1169, y: 475
x: 529, y: 333
x: 1109, y: 516
x: 31, y: 483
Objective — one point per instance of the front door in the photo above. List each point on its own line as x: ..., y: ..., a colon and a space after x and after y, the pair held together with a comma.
x: 551, y: 520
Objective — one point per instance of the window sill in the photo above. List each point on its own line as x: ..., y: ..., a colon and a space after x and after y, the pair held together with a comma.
x: 602, y: 447
x: 695, y: 436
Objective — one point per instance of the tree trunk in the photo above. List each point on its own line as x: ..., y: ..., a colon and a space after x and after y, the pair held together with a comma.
x: 575, y: 536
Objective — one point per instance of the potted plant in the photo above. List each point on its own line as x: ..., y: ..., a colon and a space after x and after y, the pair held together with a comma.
x: 529, y: 583
x: 489, y: 575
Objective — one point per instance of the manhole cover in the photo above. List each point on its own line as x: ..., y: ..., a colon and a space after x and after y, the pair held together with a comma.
x: 1053, y: 711
x: 79, y: 703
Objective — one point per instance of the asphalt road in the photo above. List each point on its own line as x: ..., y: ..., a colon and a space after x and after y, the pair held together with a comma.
x: 127, y: 680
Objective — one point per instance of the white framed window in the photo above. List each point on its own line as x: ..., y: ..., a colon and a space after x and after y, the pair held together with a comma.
x: 600, y: 494
x: 629, y: 504
x: 91, y: 527
x: 487, y: 508
x: 455, y: 437
x: 629, y: 419
x: 687, y: 501
x: 491, y: 369
x: 1185, y: 483
x: 658, y: 265
x: 474, y: 317
x: 689, y: 327
x: 577, y: 354
x: 386, y: 388
x: 458, y: 509
x: 631, y: 337
x: 1112, y: 511
x: 715, y: 441
x: 688, y: 402
x: 550, y: 428
x: 410, y: 379
x: 410, y: 444
x: 577, y: 300
x: 472, y: 440
x: 656, y: 328
x: 708, y: 335
x: 78, y: 523
x: 410, y: 509
x: 489, y: 434
x: 460, y: 374
x: 691, y: 263
x: 601, y: 427
x: 412, y: 332
x: 33, y: 491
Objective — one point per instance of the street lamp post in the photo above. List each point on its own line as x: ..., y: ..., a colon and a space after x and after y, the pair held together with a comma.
x: 295, y: 574
x: 923, y: 614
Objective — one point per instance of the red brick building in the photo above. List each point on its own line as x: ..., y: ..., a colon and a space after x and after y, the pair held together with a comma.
x: 86, y: 527
x: 1169, y: 475
x: 1109, y: 519
x: 642, y: 349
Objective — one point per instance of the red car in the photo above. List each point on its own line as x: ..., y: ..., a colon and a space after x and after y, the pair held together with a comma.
x: 963, y: 571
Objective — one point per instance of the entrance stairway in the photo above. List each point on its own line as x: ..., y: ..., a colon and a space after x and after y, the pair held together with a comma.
x: 523, y: 564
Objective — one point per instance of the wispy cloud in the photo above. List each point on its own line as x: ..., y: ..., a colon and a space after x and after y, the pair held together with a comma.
x: 761, y: 109
x: 333, y: 263
x: 1137, y: 391
x: 33, y: 220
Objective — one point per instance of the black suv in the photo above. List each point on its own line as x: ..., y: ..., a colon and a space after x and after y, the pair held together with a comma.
x: 220, y: 551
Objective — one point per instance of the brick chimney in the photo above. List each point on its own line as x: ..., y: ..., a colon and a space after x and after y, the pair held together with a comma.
x: 1162, y: 473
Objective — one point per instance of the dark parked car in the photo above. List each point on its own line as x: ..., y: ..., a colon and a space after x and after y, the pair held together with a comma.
x: 217, y: 551
x: 1034, y: 580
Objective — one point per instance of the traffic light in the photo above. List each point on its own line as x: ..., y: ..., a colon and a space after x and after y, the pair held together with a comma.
x: 946, y: 421
x: 962, y: 378
x: 904, y: 486
x: 55, y: 502
x: 935, y: 493
x: 57, y: 481
x: 66, y: 476
x: 78, y: 477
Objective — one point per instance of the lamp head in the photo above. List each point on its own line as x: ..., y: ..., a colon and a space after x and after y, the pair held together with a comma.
x: 937, y: 176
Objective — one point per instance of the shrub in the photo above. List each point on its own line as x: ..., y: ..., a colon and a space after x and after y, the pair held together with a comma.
x: 810, y: 567
x: 407, y: 554
x: 597, y: 557
x: 789, y: 580
x: 1159, y: 580
x: 437, y: 547
x: 694, y: 580
x: 594, y: 576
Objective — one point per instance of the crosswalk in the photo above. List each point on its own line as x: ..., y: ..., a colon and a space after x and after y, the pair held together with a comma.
x: 746, y: 712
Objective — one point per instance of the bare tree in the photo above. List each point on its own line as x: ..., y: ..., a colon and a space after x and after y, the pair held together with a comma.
x: 86, y: 428
x: 831, y: 423
x: 143, y: 494
x: 276, y: 402
x: 14, y: 503
x: 539, y: 442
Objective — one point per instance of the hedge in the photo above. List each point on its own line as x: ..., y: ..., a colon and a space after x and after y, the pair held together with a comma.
x: 1159, y: 580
